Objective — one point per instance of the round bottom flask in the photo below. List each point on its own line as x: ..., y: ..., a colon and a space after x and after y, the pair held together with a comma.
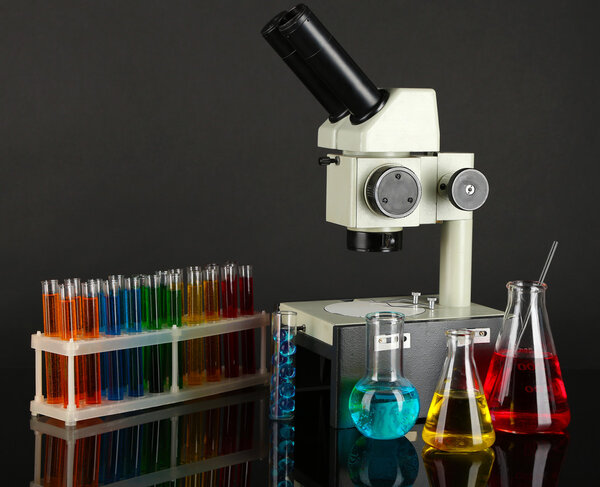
x: 384, y: 404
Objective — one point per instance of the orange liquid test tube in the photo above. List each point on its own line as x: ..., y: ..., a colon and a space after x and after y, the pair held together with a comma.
x: 90, y: 326
x: 211, y: 312
x: 69, y: 312
x: 52, y: 326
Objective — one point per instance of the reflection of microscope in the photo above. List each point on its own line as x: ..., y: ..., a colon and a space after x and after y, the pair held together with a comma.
x: 388, y: 176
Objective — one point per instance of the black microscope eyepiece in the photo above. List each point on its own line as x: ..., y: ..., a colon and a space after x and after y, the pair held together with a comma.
x: 336, y: 109
x: 331, y: 63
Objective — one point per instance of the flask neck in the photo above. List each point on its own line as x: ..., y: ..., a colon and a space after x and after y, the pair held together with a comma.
x: 460, y: 372
x: 384, y: 350
x: 526, y: 326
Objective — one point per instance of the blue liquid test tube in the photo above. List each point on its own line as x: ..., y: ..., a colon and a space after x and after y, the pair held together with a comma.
x: 103, y: 317
x: 283, y: 389
x: 136, y: 364
x: 113, y: 327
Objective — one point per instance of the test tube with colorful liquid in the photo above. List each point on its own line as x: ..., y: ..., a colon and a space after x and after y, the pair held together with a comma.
x: 229, y: 309
x: 195, y: 315
x: 52, y: 328
x: 246, y: 292
x: 136, y: 363
x: 211, y: 311
x: 69, y: 313
x: 90, y: 326
x: 113, y: 327
x: 176, y: 298
x: 156, y: 376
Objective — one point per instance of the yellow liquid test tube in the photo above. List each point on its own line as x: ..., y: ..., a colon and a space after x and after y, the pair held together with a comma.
x: 195, y: 316
x: 211, y: 312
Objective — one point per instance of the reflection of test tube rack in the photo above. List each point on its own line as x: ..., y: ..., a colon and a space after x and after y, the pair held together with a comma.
x: 177, y: 467
x: 74, y: 348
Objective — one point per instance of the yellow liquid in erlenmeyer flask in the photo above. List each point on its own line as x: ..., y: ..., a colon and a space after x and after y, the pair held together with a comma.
x: 459, y: 421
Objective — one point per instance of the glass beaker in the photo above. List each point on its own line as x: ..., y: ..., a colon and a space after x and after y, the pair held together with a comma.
x: 459, y: 419
x: 524, y: 386
x: 384, y: 404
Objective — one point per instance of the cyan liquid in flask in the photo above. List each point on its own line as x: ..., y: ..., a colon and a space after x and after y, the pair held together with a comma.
x: 384, y: 404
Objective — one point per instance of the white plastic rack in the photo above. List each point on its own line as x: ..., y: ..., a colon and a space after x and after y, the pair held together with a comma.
x: 258, y: 450
x: 73, y: 348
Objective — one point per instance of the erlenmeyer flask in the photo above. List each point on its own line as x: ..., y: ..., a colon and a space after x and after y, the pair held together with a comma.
x: 458, y: 418
x: 524, y: 385
x: 384, y: 404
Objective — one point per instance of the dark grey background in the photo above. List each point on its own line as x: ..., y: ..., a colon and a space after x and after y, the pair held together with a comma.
x: 136, y: 136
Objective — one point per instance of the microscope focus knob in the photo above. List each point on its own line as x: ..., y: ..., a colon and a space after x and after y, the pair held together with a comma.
x: 467, y: 189
x: 393, y: 191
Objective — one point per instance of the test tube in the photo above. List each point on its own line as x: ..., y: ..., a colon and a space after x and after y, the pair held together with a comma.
x: 195, y: 316
x: 90, y: 326
x: 136, y: 363
x: 52, y: 326
x: 113, y: 327
x: 77, y: 283
x: 102, y: 286
x: 246, y: 288
x: 211, y: 311
x: 156, y: 377
x: 69, y: 313
x: 229, y: 305
x: 175, y: 297
x: 283, y: 390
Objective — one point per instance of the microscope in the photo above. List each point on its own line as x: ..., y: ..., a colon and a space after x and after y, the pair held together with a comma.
x: 386, y: 174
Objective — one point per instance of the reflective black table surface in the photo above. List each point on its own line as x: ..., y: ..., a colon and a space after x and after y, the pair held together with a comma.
x: 227, y: 440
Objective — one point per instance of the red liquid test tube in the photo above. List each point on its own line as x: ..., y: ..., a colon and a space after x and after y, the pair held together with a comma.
x: 52, y: 327
x: 68, y: 302
x: 246, y: 286
x: 211, y: 309
x: 229, y: 310
x: 90, y: 326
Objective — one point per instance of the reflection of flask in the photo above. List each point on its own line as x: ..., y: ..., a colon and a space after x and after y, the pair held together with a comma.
x: 528, y: 459
x: 384, y: 404
x: 458, y: 417
x: 464, y: 469
x: 383, y: 462
x: 524, y: 385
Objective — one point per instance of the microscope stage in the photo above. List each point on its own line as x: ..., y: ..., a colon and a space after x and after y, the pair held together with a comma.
x: 320, y: 320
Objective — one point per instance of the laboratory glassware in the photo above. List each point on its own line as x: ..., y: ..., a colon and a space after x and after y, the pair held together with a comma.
x: 283, y: 389
x: 136, y: 362
x: 459, y: 419
x: 211, y: 310
x: 281, y: 454
x: 52, y: 327
x: 384, y: 404
x: 229, y: 309
x: 195, y: 316
x: 70, y: 327
x: 524, y: 385
x: 246, y: 291
x: 90, y: 326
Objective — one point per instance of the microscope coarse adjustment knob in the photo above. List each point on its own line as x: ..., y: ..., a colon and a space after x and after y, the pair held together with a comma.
x: 467, y: 189
x: 393, y: 191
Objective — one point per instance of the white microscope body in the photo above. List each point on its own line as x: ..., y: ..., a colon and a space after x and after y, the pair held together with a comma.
x: 405, y: 133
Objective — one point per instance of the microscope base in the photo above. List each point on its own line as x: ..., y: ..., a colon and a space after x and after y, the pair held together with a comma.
x: 331, y: 353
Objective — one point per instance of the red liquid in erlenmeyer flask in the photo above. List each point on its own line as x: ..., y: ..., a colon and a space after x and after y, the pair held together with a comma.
x: 526, y: 394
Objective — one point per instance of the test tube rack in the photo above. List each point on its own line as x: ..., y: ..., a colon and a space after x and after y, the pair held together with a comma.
x: 41, y: 426
x: 73, y: 348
